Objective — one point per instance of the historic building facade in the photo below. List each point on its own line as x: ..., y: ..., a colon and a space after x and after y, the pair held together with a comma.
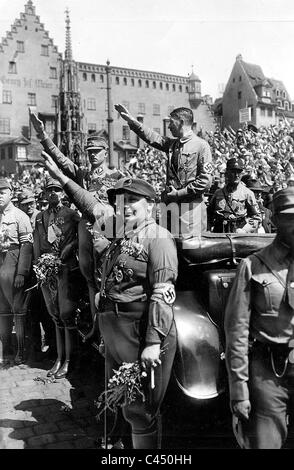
x: 30, y: 76
x: 248, y: 87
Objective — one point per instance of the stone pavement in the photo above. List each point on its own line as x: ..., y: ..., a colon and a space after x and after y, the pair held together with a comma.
x: 39, y: 413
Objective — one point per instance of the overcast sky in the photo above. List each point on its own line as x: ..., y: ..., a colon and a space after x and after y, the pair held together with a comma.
x: 171, y: 35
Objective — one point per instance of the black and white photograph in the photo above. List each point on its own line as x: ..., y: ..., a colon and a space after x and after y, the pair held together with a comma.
x: 146, y: 228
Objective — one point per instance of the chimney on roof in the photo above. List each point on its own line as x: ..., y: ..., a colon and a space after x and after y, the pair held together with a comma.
x: 239, y: 57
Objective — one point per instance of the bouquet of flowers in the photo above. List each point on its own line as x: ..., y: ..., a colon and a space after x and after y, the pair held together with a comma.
x: 124, y: 387
x: 46, y: 269
x: 4, y: 239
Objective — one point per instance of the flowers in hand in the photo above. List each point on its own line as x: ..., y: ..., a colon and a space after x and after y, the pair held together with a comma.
x: 47, y: 268
x: 124, y: 387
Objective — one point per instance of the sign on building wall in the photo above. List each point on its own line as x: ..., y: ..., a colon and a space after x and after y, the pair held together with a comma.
x: 244, y: 115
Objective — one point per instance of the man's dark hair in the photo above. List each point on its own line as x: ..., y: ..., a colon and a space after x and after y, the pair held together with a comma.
x: 186, y: 114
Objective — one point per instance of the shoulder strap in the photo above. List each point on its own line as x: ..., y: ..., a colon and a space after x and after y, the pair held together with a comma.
x: 267, y: 263
x: 228, y: 202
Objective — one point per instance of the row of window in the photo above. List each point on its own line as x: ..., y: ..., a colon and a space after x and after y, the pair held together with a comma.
x: 20, y: 47
x: 32, y: 99
x: 13, y: 69
x: 266, y: 112
x: 10, y: 152
x: 4, y: 126
x: 21, y: 153
x: 132, y: 82
x: 91, y: 106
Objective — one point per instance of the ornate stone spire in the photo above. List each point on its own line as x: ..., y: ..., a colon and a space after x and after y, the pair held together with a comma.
x: 68, y: 44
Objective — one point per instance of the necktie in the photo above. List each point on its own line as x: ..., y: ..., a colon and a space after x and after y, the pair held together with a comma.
x: 290, y: 284
x: 51, y: 232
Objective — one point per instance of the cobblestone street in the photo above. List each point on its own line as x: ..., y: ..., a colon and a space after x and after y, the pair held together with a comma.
x: 36, y: 412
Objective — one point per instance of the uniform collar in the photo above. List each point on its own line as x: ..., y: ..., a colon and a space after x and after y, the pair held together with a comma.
x: 281, y: 250
x: 138, y: 229
x: 8, y: 208
x: 186, y: 137
x: 55, y: 210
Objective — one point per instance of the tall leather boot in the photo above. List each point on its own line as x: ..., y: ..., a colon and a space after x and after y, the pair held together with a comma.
x: 146, y: 441
x: 19, y: 322
x: 6, y: 324
x: 60, y: 341
x: 70, y: 335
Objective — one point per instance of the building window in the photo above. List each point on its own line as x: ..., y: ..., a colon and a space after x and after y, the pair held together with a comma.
x: 154, y: 85
x: 286, y: 105
x: 167, y: 86
x: 234, y: 80
x: 32, y: 100
x: 174, y: 87
x: 54, y: 101
x: 284, y: 94
x: 239, y: 95
x: 147, y: 83
x: 139, y: 83
x: 101, y: 79
x: 262, y: 111
x: 85, y: 77
x: 53, y: 72
x: 10, y: 152
x: 126, y: 104
x: 44, y: 50
x: 187, y: 89
x: 92, y: 127
x: 117, y: 80
x: 4, y: 126
x: 2, y: 154
x: 125, y: 81
x: 93, y: 78
x: 279, y: 103
x: 125, y: 133
x: 156, y: 129
x: 180, y: 88
x: 240, y: 78
x: 6, y: 97
x: 91, y: 104
x: 141, y: 108
x: 20, y: 46
x: 50, y: 126
x: 270, y: 112
x: 161, y: 85
x: 12, y: 67
x: 21, y: 152
x: 278, y: 92
x: 132, y: 82
x: 156, y: 110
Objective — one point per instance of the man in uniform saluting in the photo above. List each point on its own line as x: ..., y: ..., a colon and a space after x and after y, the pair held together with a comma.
x: 189, y: 168
x: 16, y: 249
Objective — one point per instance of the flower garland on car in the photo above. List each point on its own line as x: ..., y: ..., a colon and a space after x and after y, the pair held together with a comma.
x: 124, y: 387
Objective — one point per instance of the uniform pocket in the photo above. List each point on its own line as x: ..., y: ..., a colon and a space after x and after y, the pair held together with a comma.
x: 268, y: 293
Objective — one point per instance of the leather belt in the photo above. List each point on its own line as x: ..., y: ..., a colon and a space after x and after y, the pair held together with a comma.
x: 12, y: 247
x: 107, y: 304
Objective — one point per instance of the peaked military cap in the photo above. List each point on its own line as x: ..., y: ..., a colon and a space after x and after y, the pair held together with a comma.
x: 26, y: 196
x: 132, y: 185
x: 96, y: 142
x: 283, y: 201
x: 234, y: 164
x: 51, y: 182
x: 5, y: 184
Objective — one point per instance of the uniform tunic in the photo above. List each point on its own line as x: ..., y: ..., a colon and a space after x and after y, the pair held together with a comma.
x: 15, y: 259
x: 137, y: 298
x: 259, y: 310
x: 62, y: 306
x: 189, y: 171
x: 240, y: 203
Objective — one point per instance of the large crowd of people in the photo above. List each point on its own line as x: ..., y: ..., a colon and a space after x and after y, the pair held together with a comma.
x: 62, y: 214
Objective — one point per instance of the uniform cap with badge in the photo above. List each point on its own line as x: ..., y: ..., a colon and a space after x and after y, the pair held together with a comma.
x: 5, y: 184
x: 96, y: 142
x: 134, y: 186
x: 283, y: 201
x: 235, y: 164
x: 26, y: 196
x: 52, y: 183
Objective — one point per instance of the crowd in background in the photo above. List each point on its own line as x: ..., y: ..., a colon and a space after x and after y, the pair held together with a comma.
x: 267, y: 154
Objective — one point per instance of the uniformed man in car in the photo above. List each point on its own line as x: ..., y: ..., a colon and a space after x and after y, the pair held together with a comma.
x: 234, y: 208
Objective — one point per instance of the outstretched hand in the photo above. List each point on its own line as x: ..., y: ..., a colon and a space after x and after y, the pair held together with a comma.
x: 53, y: 169
x: 38, y: 125
x: 124, y: 112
